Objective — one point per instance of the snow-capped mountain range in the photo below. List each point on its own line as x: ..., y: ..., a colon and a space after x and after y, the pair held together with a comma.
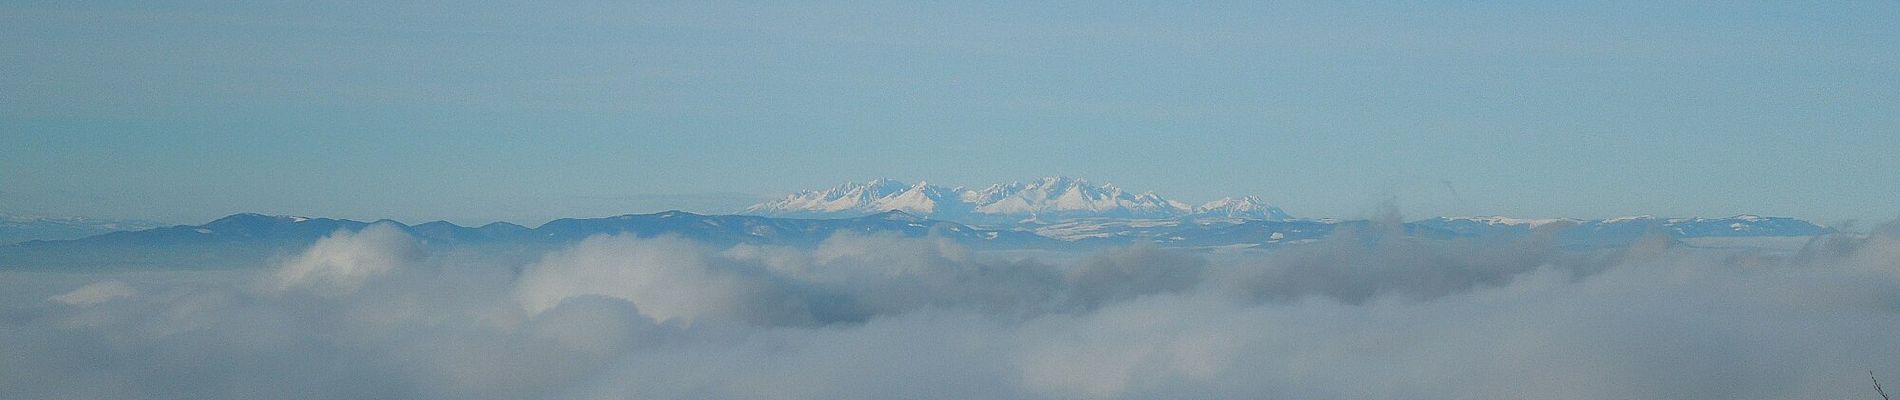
x: 1041, y: 201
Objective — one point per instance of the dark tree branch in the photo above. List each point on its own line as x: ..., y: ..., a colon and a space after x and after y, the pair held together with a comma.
x: 1877, y: 389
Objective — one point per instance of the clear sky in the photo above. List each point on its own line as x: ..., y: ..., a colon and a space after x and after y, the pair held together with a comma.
x: 471, y: 111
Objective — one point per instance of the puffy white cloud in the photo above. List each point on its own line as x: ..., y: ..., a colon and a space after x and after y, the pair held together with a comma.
x: 341, y: 262
x: 369, y: 314
x: 669, y: 279
x: 95, y: 293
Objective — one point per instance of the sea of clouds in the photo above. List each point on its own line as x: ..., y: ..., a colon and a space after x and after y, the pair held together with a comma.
x: 1366, y: 314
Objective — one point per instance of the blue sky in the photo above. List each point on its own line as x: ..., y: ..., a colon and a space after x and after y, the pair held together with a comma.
x: 476, y: 111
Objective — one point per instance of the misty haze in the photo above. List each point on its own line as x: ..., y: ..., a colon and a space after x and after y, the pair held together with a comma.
x: 875, y: 200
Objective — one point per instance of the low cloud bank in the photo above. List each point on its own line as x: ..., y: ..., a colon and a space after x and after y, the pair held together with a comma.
x: 1367, y: 314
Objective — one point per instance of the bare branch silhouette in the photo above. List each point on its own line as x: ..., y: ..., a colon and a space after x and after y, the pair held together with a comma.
x: 1877, y: 389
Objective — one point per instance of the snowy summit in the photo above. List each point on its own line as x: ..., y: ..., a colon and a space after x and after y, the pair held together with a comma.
x: 1048, y: 199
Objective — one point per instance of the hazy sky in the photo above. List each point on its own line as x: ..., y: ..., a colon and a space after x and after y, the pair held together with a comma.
x: 184, y: 111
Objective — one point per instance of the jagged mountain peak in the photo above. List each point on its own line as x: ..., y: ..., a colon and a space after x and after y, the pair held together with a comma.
x: 1230, y: 202
x: 1045, y: 199
x: 1246, y: 207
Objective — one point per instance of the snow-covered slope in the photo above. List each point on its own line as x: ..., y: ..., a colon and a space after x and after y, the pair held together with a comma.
x: 844, y: 198
x: 1249, y: 207
x: 1043, y: 200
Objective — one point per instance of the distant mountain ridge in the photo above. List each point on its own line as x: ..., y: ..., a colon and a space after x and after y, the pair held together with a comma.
x: 14, y: 229
x: 1045, y: 200
x: 1745, y: 225
x: 713, y: 229
x: 245, y: 239
x: 248, y: 238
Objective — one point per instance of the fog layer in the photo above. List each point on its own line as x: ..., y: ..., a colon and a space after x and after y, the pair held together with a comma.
x: 1370, y: 314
